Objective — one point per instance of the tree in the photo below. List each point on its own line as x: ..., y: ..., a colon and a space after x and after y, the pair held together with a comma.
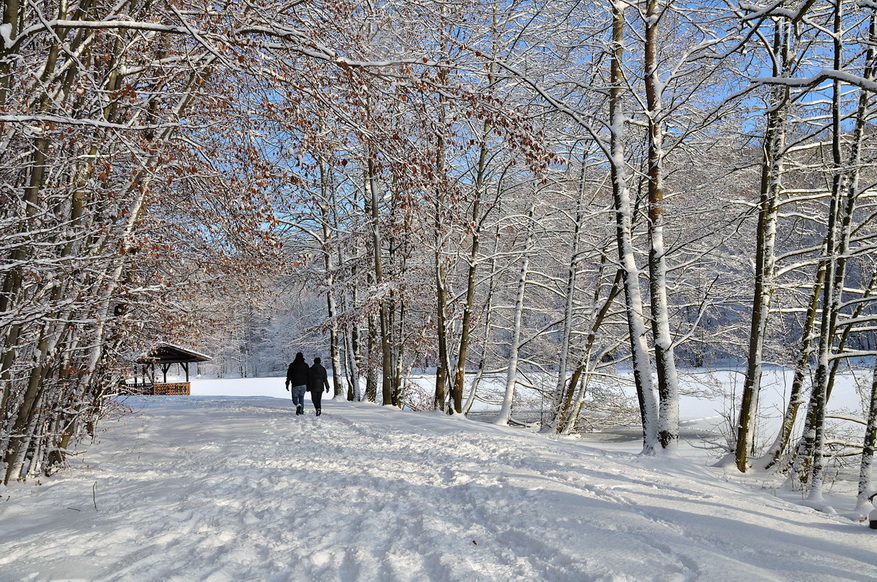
x: 783, y: 51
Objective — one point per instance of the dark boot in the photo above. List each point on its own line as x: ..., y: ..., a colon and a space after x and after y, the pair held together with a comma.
x: 299, y: 410
x: 319, y: 412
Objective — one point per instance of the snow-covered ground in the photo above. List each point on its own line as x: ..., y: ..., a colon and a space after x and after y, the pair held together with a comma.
x: 233, y: 488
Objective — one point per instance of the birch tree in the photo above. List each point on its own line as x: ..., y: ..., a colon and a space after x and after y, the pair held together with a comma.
x: 783, y: 48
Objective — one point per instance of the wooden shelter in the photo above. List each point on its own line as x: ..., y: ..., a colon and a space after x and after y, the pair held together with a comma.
x: 164, y: 356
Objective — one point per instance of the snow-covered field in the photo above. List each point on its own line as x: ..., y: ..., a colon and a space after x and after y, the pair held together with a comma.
x: 236, y: 488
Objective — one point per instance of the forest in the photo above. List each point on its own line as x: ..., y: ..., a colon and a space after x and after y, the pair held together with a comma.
x: 547, y: 192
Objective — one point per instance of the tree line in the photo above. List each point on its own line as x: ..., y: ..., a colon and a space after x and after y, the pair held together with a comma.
x: 542, y: 192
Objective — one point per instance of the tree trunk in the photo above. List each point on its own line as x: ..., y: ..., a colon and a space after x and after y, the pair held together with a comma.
x: 668, y: 384
x: 866, y: 487
x: 487, y: 327
x: 771, y: 175
x: 372, y: 198
x: 578, y: 382
x: 441, y: 372
x: 624, y: 238
x: 371, y: 374
x: 562, y: 396
x: 802, y: 366
x: 327, y: 203
x: 505, y: 411
x: 834, y: 278
x: 476, y: 224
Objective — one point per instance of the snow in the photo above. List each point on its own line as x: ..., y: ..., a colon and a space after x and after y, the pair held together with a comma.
x: 228, y: 484
x: 6, y: 34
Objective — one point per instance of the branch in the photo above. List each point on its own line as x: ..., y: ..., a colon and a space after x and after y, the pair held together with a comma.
x: 83, y: 122
x: 823, y: 75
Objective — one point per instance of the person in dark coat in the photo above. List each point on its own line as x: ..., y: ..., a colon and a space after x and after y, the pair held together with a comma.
x: 316, y: 381
x: 297, y: 379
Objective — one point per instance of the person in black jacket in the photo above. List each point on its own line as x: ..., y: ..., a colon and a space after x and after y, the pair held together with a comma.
x: 316, y: 381
x: 297, y: 378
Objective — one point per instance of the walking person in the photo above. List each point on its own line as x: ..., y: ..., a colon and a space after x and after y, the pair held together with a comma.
x: 297, y: 379
x: 316, y: 381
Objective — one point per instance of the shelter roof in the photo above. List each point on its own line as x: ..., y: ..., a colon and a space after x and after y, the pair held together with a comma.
x: 171, y: 354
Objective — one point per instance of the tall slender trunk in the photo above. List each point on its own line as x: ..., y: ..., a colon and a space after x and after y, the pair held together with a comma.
x: 378, y: 263
x: 371, y: 373
x: 869, y: 444
x: 327, y: 203
x: 624, y: 237
x: 476, y: 224
x: 802, y: 366
x: 353, y: 349
x: 486, y: 331
x: 834, y: 278
x: 505, y: 411
x: 354, y: 358
x: 668, y: 383
x: 561, y: 395
x: 771, y: 175
x: 441, y: 373
x: 578, y: 382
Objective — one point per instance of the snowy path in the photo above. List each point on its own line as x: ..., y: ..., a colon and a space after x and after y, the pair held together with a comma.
x: 240, y: 489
